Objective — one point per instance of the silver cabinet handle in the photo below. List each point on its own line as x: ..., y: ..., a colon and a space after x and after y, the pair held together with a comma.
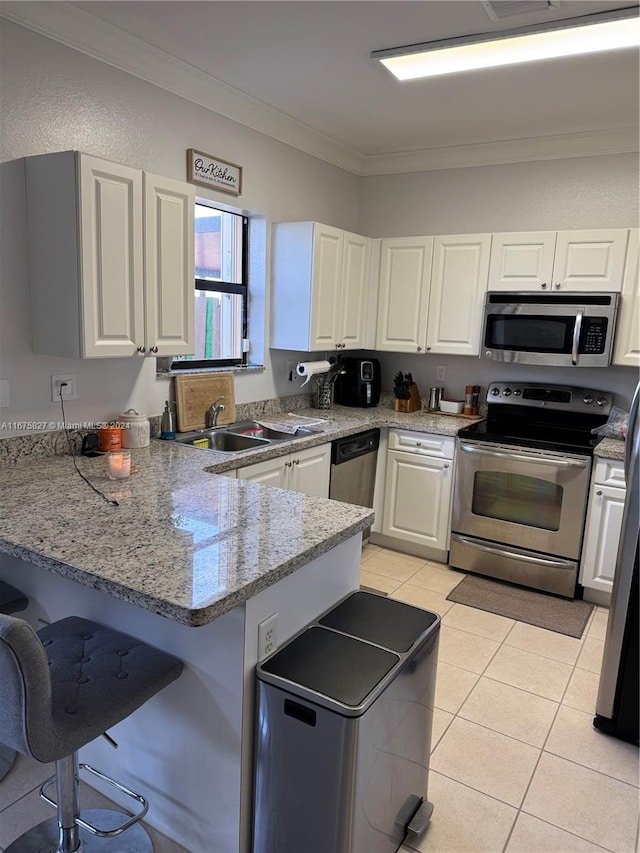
x: 295, y: 461
x: 543, y: 285
x: 557, y: 285
x: 446, y: 465
x: 419, y: 349
x: 142, y: 349
x: 153, y: 349
x: 599, y: 492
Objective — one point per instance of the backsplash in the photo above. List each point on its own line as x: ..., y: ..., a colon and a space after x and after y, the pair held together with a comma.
x: 56, y: 443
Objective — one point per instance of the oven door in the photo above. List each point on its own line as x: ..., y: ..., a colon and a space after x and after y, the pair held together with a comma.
x: 532, y: 499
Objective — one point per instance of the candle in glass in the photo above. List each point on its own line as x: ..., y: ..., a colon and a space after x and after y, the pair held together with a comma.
x: 119, y: 464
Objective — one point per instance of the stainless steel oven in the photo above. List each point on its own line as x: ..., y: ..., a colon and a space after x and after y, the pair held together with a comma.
x: 522, y: 482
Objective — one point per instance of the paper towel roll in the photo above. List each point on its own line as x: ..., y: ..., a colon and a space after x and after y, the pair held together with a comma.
x: 311, y: 368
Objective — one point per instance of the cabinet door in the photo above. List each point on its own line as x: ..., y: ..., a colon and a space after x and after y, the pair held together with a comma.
x: 169, y: 266
x: 269, y: 473
x: 309, y: 471
x: 418, y: 499
x: 405, y: 272
x: 604, y: 523
x: 590, y: 260
x: 522, y: 260
x: 112, y: 292
x: 327, y: 275
x: 353, y: 297
x: 627, y: 342
x: 458, y: 284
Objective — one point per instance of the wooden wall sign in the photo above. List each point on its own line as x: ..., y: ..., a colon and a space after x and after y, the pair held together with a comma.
x: 209, y: 171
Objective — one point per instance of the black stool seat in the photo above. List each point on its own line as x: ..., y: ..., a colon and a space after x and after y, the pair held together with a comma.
x: 11, y: 599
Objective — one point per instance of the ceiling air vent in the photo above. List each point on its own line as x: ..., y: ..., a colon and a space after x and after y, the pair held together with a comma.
x: 499, y: 9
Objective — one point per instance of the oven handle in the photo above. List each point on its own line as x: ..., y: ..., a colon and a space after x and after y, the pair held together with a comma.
x: 576, y: 338
x: 515, y: 555
x: 523, y: 457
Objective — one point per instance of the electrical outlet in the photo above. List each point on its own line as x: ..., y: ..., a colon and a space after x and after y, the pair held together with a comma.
x: 267, y: 636
x: 69, y: 390
x: 441, y: 373
x: 291, y: 370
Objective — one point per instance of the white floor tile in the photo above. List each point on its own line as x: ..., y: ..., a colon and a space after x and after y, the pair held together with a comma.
x: 532, y: 835
x: 549, y: 644
x: 574, y: 737
x: 464, y: 820
x: 25, y: 775
x: 582, y: 691
x: 479, y: 622
x: 510, y: 711
x: 469, y: 754
x: 400, y: 567
x: 378, y: 582
x: 590, y: 657
x: 453, y: 685
x: 468, y: 651
x: 425, y: 598
x: 598, y: 625
x: 586, y: 803
x: 439, y: 578
x: 530, y: 672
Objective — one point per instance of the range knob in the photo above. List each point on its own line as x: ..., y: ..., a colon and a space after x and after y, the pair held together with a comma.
x: 601, y: 401
x: 507, y: 392
x: 587, y: 399
x: 517, y: 392
x: 495, y: 392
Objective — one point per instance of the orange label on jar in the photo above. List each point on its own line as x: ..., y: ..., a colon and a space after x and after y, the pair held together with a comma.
x: 109, y: 438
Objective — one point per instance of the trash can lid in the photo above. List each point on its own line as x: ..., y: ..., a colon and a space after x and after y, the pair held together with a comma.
x: 339, y: 667
x: 380, y: 620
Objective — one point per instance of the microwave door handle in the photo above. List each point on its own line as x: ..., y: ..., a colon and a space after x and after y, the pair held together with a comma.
x: 523, y: 457
x: 576, y: 338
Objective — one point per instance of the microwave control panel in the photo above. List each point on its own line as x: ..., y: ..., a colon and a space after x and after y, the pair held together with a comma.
x: 593, y: 335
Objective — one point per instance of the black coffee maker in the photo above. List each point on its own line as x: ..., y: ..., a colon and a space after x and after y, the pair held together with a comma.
x: 359, y: 382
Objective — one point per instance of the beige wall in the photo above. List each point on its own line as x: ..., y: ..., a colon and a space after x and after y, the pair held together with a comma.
x: 53, y: 98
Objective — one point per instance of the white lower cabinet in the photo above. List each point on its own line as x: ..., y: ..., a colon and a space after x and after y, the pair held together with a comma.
x: 419, y: 480
x: 305, y: 471
x: 604, y: 523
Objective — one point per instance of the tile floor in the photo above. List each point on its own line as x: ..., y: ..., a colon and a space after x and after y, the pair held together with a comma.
x: 516, y: 765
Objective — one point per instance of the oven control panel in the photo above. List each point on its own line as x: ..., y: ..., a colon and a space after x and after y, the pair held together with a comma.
x: 561, y: 397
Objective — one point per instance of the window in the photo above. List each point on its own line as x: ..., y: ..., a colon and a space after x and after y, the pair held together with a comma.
x: 220, y: 289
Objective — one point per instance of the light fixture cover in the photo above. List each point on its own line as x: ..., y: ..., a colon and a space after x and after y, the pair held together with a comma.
x: 570, y: 37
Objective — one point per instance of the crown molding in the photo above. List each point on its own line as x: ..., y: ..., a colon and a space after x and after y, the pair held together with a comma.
x: 621, y: 140
x: 99, y: 39
x: 94, y: 37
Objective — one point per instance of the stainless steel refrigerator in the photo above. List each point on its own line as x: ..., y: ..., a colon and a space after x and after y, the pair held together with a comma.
x: 617, y: 703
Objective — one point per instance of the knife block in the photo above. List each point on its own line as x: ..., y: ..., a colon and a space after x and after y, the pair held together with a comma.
x: 413, y: 404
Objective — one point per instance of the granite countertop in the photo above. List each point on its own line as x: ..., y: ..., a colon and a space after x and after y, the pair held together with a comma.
x: 184, y: 543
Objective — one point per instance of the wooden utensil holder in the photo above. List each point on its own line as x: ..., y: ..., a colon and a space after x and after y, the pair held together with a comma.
x: 413, y: 404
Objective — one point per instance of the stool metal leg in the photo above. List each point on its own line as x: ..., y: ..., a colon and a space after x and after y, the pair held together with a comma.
x: 62, y: 834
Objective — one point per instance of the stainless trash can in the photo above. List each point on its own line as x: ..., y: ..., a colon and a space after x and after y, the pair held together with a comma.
x: 344, y: 720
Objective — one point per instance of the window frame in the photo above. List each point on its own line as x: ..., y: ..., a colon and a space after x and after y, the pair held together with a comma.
x: 241, y: 289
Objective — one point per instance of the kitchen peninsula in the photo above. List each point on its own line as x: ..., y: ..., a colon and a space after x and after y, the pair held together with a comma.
x: 192, y: 563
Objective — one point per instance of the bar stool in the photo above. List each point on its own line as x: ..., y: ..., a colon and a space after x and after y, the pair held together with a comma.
x: 59, y: 689
x: 11, y: 601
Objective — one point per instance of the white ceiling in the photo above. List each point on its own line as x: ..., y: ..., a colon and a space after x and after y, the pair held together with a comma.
x: 310, y: 61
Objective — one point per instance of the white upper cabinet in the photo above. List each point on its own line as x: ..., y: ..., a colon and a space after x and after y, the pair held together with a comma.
x: 403, y: 300
x: 319, y: 287
x: 110, y: 259
x: 626, y: 348
x: 522, y: 260
x: 559, y: 261
x: 458, y: 283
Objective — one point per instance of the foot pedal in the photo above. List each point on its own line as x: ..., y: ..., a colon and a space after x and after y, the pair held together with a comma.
x: 419, y: 821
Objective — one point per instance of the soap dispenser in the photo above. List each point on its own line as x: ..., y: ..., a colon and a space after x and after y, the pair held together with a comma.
x: 168, y: 422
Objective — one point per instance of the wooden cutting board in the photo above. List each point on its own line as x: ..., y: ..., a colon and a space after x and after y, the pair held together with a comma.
x: 194, y: 395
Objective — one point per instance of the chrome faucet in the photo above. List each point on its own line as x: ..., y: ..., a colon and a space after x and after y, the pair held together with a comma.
x: 214, y: 410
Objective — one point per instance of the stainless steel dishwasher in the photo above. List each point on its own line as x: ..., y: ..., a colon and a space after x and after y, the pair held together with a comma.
x: 353, y: 469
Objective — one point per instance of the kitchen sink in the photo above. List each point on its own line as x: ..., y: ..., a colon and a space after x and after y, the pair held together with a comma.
x: 254, y: 429
x: 223, y: 441
x: 244, y: 435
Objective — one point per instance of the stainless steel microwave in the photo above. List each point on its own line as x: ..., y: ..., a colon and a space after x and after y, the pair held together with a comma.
x: 563, y: 330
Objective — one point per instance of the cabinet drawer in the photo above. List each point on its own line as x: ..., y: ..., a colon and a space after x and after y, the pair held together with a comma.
x: 425, y: 444
x: 609, y: 472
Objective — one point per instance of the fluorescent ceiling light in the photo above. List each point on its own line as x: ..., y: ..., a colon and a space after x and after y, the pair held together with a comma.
x: 594, y: 34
